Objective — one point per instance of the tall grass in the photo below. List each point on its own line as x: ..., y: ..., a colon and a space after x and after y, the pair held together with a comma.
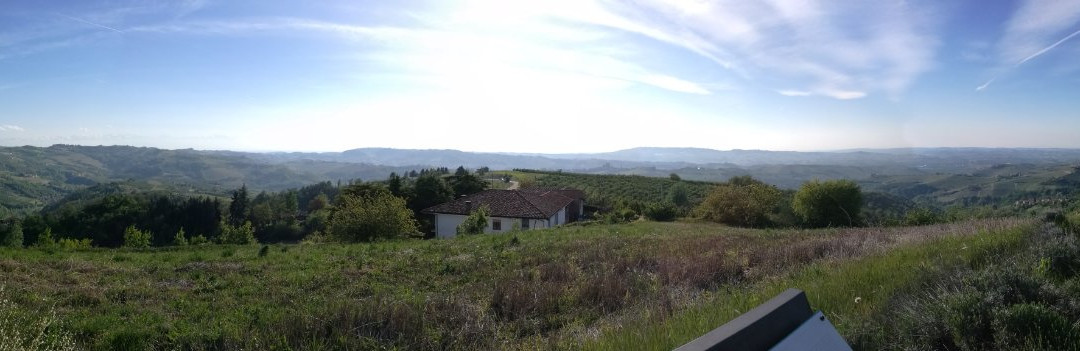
x: 849, y: 291
x: 20, y: 330
x: 605, y: 284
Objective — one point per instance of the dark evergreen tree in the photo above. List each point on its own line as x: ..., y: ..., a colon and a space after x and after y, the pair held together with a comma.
x: 430, y: 190
x: 395, y: 184
x: 238, y: 209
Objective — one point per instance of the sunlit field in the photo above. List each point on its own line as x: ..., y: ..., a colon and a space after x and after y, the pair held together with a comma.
x: 630, y: 286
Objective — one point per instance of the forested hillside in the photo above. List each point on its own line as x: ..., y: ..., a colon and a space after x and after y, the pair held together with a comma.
x: 33, y: 177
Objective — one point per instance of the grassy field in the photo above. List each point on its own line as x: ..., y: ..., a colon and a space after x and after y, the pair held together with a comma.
x: 632, y: 286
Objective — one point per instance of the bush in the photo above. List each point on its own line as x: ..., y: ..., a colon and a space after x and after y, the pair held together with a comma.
x: 368, y: 215
x: 198, y: 240
x: 828, y: 203
x: 744, y: 203
x: 74, y: 244
x: 921, y: 216
x: 661, y: 212
x: 242, y: 235
x: 475, y: 223
x: 135, y: 238
x: 180, y: 239
x: 45, y: 239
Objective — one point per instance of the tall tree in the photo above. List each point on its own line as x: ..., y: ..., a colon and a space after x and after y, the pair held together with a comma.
x: 395, y: 184
x: 238, y: 209
x: 467, y: 184
x: 12, y: 236
x: 430, y: 190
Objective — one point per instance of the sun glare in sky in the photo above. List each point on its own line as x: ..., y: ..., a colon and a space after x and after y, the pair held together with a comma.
x: 540, y: 76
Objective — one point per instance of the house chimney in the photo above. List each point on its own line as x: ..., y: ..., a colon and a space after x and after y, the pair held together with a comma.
x: 468, y: 206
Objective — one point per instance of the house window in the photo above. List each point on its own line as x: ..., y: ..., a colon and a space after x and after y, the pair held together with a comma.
x: 525, y: 223
x: 496, y: 224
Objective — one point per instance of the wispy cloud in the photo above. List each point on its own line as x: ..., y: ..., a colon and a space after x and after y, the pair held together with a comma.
x: 102, y: 26
x: 836, y: 49
x: 478, y: 52
x: 1048, y: 48
x: 1036, y: 28
x: 11, y: 128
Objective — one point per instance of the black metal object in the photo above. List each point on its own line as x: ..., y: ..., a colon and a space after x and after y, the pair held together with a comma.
x: 759, y: 329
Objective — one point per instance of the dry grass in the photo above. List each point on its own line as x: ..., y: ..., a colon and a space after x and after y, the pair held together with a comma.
x: 549, y: 289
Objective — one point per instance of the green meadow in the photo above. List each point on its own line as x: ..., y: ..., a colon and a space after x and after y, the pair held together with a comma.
x: 642, y: 285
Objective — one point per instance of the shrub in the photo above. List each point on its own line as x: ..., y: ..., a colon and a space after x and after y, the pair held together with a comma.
x: 198, y: 240
x: 368, y: 215
x: 135, y: 238
x: 745, y: 203
x: 74, y: 244
x: 475, y: 223
x: 921, y: 216
x: 180, y: 239
x: 242, y: 235
x: 828, y: 203
x: 45, y: 239
x: 265, y: 250
x: 661, y: 212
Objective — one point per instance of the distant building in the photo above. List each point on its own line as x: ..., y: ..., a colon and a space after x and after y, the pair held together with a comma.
x: 509, y: 209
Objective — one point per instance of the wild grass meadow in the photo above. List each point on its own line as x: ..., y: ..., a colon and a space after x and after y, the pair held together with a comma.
x: 642, y: 285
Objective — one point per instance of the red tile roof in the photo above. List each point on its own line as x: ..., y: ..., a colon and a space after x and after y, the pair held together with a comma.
x: 525, y: 203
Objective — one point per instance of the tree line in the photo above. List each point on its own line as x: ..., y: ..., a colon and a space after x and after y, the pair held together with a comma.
x: 355, y: 211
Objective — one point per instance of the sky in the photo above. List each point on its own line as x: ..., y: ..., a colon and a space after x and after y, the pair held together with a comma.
x: 553, y: 76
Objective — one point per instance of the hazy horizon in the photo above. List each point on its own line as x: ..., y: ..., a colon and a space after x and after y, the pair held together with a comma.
x: 548, y: 77
x: 566, y: 153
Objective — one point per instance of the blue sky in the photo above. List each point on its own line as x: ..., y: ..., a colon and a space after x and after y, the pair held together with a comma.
x: 540, y: 76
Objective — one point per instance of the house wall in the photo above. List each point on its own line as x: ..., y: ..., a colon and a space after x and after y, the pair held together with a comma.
x: 446, y: 224
x: 558, y: 218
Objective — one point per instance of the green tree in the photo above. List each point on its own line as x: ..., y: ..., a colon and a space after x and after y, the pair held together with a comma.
x: 180, y: 239
x: 237, y: 235
x: 475, y: 223
x: 396, y: 185
x: 674, y: 177
x: 679, y: 195
x: 13, y: 236
x: 828, y: 203
x: 461, y: 171
x: 368, y: 215
x: 430, y: 190
x: 319, y: 202
x: 467, y: 184
x: 238, y: 208
x: 45, y: 239
x: 135, y: 238
x: 743, y: 203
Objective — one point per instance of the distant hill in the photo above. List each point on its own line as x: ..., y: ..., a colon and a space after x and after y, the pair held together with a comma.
x: 32, y: 177
x: 928, y: 159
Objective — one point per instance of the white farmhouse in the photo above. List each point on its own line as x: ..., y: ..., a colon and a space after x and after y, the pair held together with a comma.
x: 509, y: 209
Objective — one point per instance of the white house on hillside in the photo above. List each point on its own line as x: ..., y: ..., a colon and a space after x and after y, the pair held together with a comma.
x: 508, y: 209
